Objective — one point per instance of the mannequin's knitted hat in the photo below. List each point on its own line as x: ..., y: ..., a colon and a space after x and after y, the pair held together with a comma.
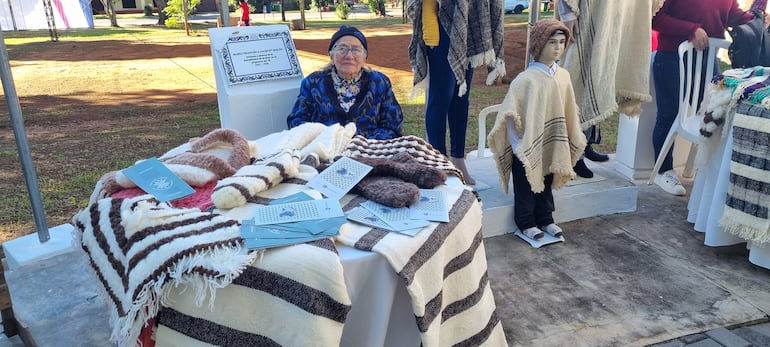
x: 345, y: 31
x: 541, y: 32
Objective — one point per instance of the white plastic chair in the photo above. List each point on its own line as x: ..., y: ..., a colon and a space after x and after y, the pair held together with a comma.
x: 482, y: 151
x: 688, y: 120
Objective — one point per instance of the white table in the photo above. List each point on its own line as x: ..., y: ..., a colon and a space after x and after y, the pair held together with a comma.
x: 707, y: 198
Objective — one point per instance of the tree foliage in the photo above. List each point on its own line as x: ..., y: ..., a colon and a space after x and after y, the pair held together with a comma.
x: 342, y: 9
x: 175, y: 11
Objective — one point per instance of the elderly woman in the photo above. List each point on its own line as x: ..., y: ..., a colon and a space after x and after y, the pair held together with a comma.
x: 347, y: 91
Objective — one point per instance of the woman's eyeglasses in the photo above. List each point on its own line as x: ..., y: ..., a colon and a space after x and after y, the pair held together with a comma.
x: 342, y: 51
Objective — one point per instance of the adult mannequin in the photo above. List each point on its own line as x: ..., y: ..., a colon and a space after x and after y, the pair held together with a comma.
x: 449, y: 39
x: 609, y: 60
x: 537, y: 136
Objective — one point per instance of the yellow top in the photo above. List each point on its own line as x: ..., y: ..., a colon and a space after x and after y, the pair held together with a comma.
x: 430, y: 22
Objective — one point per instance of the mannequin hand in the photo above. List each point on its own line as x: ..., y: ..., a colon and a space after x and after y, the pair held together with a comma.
x: 700, y: 39
x: 573, y: 28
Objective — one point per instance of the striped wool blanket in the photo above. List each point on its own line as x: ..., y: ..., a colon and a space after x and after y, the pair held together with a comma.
x: 139, y: 246
x: 610, y: 58
x: 286, y: 291
x: 747, y: 206
x: 444, y: 268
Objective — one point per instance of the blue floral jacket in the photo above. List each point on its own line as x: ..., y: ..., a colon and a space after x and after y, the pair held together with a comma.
x: 376, y: 111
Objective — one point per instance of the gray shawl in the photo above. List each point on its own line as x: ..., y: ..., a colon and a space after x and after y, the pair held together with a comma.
x: 476, y: 31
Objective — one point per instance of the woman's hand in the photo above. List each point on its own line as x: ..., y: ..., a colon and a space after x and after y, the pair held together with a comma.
x: 700, y: 39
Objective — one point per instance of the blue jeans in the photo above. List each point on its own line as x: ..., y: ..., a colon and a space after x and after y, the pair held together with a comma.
x: 443, y: 105
x: 665, y: 74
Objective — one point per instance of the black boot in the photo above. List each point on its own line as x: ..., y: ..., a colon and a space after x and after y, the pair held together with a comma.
x: 592, y: 155
x: 582, y: 170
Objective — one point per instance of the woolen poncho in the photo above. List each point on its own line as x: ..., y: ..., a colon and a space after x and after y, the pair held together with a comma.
x: 476, y: 31
x: 610, y: 58
x: 544, y: 111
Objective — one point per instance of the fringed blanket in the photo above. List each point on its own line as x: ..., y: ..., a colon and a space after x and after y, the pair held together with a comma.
x: 747, y: 207
x: 610, y: 59
x: 445, y: 271
x: 138, y: 246
x: 289, y: 296
x: 292, y: 296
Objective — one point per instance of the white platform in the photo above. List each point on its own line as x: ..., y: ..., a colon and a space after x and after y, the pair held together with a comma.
x: 608, y: 192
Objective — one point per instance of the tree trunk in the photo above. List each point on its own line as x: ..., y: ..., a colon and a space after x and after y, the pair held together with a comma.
x: 110, y: 10
x: 185, y: 14
x: 161, y: 5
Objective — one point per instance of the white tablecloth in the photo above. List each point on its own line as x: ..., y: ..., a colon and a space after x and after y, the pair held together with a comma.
x: 707, y: 198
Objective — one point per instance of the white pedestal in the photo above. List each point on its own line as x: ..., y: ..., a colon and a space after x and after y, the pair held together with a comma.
x: 28, y: 249
x: 258, y: 107
x: 634, y: 155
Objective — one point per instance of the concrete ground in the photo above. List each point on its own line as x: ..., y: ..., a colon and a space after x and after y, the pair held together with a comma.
x: 629, y: 279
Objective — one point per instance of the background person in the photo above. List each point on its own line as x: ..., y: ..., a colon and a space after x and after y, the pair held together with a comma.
x: 245, y: 12
x: 347, y: 91
x: 676, y: 22
x: 449, y: 39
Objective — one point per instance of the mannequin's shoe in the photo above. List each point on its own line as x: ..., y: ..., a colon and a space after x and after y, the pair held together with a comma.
x: 582, y: 170
x: 553, y: 230
x: 592, y: 155
x: 533, y: 233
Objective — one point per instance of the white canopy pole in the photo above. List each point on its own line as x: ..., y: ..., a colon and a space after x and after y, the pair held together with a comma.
x: 534, y: 16
x: 14, y: 110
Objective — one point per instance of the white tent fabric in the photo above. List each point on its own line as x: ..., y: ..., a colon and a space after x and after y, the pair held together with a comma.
x: 30, y: 15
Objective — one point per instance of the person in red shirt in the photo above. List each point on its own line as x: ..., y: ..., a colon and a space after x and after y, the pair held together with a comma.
x: 678, y: 21
x: 244, y: 12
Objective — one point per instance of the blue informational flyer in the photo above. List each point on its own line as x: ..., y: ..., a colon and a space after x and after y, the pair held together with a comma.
x: 156, y: 179
x: 339, y: 178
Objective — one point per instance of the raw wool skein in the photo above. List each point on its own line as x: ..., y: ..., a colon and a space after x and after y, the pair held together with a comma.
x: 396, y: 181
x: 239, y: 189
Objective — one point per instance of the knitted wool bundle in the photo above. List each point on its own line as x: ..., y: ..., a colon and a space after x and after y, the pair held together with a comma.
x: 396, y: 181
x: 541, y: 32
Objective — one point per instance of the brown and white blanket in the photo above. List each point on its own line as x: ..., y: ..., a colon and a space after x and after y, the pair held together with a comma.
x: 137, y: 246
x: 444, y: 269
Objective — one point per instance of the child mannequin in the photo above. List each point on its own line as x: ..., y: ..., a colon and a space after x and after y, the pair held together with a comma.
x: 537, y: 135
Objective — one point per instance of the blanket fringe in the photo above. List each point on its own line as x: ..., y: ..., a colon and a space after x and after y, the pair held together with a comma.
x: 737, y: 227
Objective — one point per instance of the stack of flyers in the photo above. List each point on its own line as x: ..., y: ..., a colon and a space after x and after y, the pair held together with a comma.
x: 385, y: 217
x: 294, y: 219
x: 264, y: 236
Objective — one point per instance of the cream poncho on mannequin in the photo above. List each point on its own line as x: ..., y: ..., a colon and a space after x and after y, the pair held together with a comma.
x: 544, y: 111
